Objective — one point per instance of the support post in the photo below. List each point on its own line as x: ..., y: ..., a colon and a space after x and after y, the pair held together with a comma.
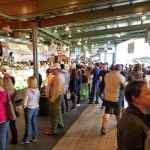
x: 35, y: 53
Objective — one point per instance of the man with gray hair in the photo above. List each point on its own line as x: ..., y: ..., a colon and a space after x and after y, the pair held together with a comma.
x: 54, y: 91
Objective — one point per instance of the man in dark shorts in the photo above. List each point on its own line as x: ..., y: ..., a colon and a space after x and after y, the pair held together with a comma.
x: 114, y: 82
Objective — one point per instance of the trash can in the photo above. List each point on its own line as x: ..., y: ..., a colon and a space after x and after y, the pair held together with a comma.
x: 43, y: 106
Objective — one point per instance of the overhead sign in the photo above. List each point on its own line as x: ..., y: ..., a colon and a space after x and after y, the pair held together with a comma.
x: 101, y: 50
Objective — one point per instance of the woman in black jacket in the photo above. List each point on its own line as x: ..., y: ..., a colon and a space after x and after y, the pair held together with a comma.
x: 135, y: 123
x: 74, y: 87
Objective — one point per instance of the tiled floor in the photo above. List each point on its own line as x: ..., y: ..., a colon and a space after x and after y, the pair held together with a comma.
x: 84, y: 134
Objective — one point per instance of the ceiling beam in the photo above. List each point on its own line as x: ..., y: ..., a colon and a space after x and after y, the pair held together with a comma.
x: 109, y: 31
x: 111, y: 39
x: 97, y: 14
x: 84, y: 16
x: 44, y: 33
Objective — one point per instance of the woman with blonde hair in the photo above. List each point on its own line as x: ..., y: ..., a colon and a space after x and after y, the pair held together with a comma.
x: 30, y: 104
x: 4, y: 120
x: 9, y: 87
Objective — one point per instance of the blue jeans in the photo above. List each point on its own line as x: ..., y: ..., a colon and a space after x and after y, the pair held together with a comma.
x: 64, y: 100
x: 30, y: 120
x: 3, y: 134
x: 93, y: 92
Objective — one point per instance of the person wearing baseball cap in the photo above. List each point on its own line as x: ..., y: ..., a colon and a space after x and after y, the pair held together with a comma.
x: 114, y: 84
x: 54, y: 91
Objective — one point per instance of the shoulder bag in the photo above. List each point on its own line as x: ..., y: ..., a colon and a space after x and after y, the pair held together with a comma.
x: 10, y: 108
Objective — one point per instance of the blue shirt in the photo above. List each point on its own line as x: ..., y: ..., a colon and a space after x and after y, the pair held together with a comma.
x: 95, y: 73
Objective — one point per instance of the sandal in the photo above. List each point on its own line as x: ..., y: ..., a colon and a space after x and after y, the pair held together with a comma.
x: 50, y: 133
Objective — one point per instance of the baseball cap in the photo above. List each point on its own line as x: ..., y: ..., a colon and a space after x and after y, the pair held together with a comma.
x: 117, y: 67
x: 55, y: 66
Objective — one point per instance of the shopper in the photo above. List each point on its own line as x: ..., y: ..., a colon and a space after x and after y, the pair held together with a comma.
x: 78, y: 67
x: 74, y: 87
x: 114, y: 84
x: 54, y: 91
x: 30, y: 104
x: 137, y: 73
x: 4, y: 120
x: 64, y: 96
x: 8, y: 85
x: 95, y: 72
x: 84, y: 90
x: 135, y: 123
x: 100, y: 91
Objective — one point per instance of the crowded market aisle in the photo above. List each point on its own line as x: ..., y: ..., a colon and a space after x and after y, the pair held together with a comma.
x: 85, y: 134
x: 81, y: 131
x: 44, y: 142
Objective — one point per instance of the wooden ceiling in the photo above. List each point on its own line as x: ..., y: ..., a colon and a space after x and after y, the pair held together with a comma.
x: 95, y: 21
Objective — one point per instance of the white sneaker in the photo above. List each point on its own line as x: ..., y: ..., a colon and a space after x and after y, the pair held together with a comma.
x: 22, y: 142
x: 77, y: 104
x: 33, y: 140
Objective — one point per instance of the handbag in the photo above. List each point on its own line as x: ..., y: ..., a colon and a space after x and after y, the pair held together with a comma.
x: 10, y: 109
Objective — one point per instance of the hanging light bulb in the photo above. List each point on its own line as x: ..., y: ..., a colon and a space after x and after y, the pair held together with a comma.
x: 69, y: 35
x: 67, y: 28
x: 143, y: 16
x: 55, y: 30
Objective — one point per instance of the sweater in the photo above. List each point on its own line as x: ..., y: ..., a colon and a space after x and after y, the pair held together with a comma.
x: 57, y: 86
x: 31, y: 98
x: 3, y: 108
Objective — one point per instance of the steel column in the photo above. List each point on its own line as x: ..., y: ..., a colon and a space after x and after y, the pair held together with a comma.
x: 35, y: 53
